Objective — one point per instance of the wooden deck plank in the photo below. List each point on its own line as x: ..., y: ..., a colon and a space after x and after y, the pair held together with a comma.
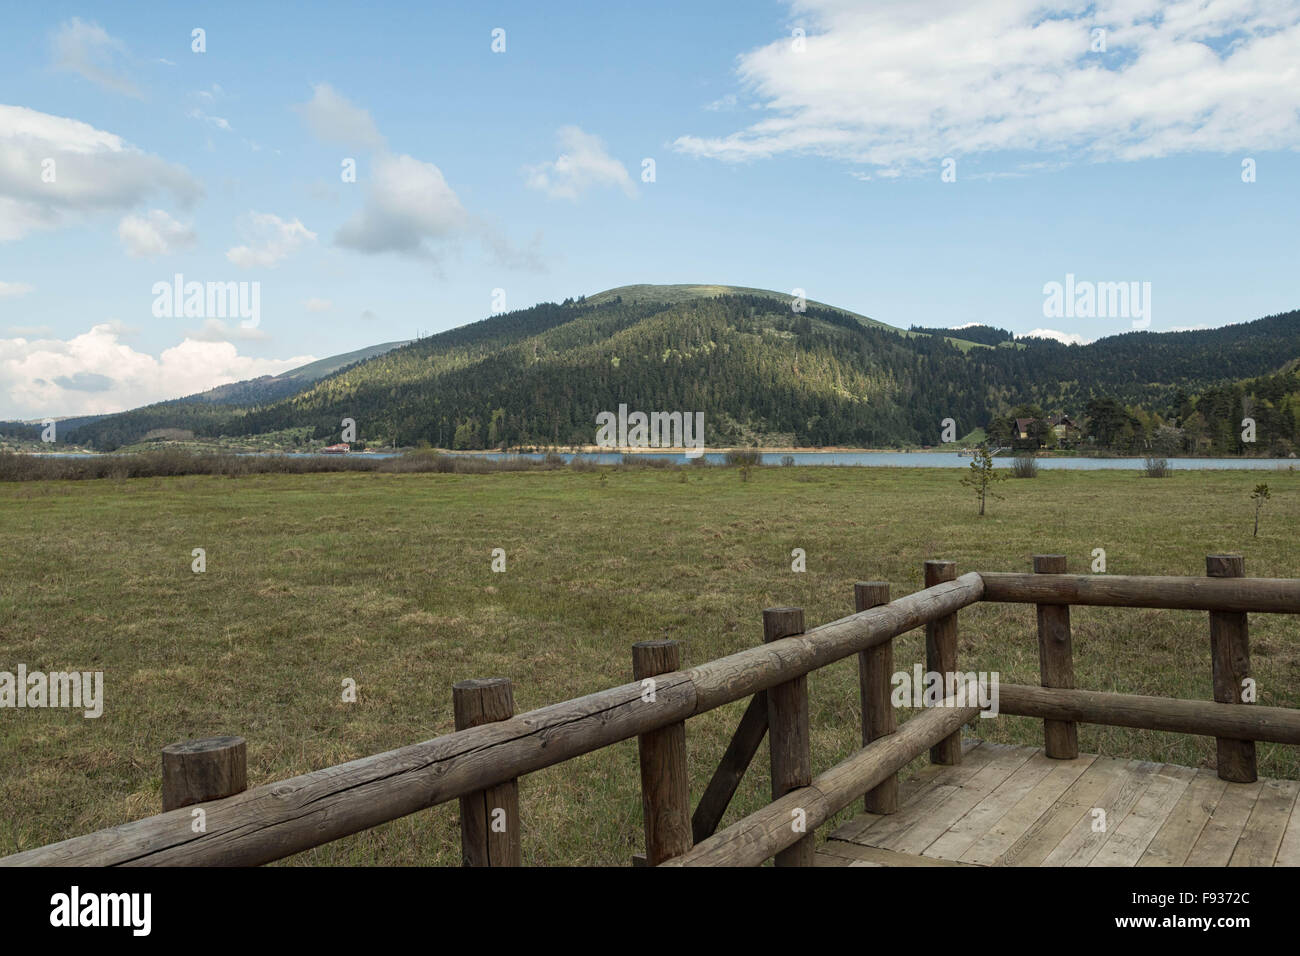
x: 928, y: 829
x: 1014, y: 806
x: 1022, y: 819
x: 853, y: 854
x: 1219, y: 837
x: 1179, y: 834
x: 959, y: 837
x: 909, y: 789
x: 1262, y: 836
x: 1080, y: 843
x: 888, y: 827
x: 1288, y: 854
x: 1129, y: 839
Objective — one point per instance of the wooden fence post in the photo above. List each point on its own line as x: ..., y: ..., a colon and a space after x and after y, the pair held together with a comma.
x: 1056, y: 662
x: 195, y: 771
x: 665, y: 790
x: 788, y: 737
x: 941, y: 656
x: 875, y: 670
x: 489, y: 819
x: 1230, y: 663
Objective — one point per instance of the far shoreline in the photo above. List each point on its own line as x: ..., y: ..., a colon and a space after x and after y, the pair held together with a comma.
x: 633, y: 451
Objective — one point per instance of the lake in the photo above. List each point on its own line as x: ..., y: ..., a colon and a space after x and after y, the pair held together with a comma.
x: 939, y: 459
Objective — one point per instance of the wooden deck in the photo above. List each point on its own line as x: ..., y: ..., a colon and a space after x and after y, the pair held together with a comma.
x: 1013, y: 806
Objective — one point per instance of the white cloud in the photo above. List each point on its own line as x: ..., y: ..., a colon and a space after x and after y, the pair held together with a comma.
x: 156, y: 234
x: 97, y: 372
x: 1066, y: 338
x: 92, y: 170
x: 334, y: 119
x: 895, y: 82
x: 271, y: 239
x: 408, y: 208
x: 219, y: 122
x: 408, y: 204
x: 11, y: 290
x: 727, y: 102
x: 318, y: 305
x: 583, y: 164
x: 86, y: 48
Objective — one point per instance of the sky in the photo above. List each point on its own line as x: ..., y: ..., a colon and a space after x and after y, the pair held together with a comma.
x: 365, y: 173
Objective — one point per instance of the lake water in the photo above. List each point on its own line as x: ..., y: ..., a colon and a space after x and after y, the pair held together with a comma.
x: 938, y: 459
x: 880, y: 459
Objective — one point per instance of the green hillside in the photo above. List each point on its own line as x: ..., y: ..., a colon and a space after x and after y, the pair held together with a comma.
x: 764, y: 374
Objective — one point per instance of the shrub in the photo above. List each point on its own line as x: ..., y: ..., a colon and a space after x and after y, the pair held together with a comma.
x: 1025, y: 465
x: 1154, y: 466
x: 745, y: 457
x: 646, y: 461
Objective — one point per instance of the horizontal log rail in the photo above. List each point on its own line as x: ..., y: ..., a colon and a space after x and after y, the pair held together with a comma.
x: 785, y: 821
x: 1257, y: 595
x: 1205, y: 718
x: 276, y: 820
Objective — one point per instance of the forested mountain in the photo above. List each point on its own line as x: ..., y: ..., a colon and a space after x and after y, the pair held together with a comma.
x: 761, y: 372
x: 980, y: 334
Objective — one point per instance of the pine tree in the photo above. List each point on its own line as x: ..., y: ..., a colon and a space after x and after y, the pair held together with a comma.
x: 982, y: 476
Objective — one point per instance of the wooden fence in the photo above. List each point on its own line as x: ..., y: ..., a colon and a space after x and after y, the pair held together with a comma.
x: 481, y: 762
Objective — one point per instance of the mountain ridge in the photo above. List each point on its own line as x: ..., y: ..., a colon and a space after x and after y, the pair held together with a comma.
x: 761, y: 371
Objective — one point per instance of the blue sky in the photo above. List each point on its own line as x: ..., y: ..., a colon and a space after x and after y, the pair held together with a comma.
x: 782, y: 160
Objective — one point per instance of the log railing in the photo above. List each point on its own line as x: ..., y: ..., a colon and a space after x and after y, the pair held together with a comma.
x: 210, y: 819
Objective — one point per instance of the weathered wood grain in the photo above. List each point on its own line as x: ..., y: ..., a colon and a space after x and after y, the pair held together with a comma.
x: 665, y: 790
x: 489, y: 818
x: 1205, y: 718
x: 1261, y: 838
x: 1230, y: 662
x: 875, y: 673
x: 196, y: 771
x: 924, y: 832
x: 894, y: 828
x: 1129, y: 837
x: 941, y: 654
x: 1221, y: 832
x: 789, y: 738
x: 837, y: 853
x: 1180, y: 831
x: 1056, y: 661
x: 1257, y: 595
x: 911, y: 788
x: 982, y: 817
x: 1013, y: 825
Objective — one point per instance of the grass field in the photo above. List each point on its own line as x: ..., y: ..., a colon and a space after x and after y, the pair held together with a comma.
x: 386, y: 579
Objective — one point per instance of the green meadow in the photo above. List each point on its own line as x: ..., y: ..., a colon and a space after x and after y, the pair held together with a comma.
x: 387, y: 579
